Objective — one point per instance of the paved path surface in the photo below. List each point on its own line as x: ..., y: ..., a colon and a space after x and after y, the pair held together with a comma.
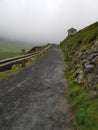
x: 35, y: 99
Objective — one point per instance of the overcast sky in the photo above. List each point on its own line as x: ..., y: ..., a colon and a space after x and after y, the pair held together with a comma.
x: 44, y: 21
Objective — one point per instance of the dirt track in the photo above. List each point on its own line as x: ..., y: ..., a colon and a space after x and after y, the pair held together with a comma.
x: 35, y: 98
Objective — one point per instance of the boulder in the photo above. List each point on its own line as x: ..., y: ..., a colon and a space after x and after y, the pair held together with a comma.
x: 95, y: 59
x: 79, y: 77
x: 89, y: 66
x: 93, y: 94
x: 95, y: 45
x: 92, y: 80
x: 80, y: 54
x: 83, y: 54
x: 93, y: 56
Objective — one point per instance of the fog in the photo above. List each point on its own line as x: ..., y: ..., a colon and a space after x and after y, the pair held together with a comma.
x: 44, y: 21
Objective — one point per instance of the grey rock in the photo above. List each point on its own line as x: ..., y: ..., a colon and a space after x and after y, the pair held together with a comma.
x: 92, y: 79
x: 83, y: 54
x: 80, y: 54
x: 79, y: 77
x: 66, y: 47
x: 93, y: 94
x: 95, y: 59
x: 93, y: 56
x: 95, y: 45
x: 88, y: 66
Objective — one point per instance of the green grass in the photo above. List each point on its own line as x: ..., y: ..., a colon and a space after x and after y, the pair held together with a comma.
x: 11, y: 49
x: 14, y: 46
x: 8, y: 54
x: 84, y: 36
x: 85, y: 110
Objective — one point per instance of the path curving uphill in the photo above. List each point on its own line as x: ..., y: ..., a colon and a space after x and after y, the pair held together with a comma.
x: 35, y: 98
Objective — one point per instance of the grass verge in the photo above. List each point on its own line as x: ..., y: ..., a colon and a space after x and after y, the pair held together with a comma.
x: 85, y: 110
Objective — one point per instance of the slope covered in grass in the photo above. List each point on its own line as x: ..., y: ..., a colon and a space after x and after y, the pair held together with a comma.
x: 81, y: 56
x: 11, y: 49
x: 84, y: 36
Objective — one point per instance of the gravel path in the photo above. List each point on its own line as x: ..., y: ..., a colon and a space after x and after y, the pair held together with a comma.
x: 35, y: 98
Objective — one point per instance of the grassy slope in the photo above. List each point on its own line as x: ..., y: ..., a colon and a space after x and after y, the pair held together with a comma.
x: 8, y: 54
x: 10, y: 49
x: 84, y: 36
x: 85, y: 110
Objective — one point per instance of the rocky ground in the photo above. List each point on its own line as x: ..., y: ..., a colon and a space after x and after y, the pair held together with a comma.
x: 86, y: 66
x: 35, y: 98
x: 81, y: 56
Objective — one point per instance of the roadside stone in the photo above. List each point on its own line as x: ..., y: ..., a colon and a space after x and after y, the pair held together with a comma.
x: 89, y: 66
x: 83, y: 54
x: 93, y: 94
x: 93, y: 56
x: 95, y: 59
x: 92, y: 80
x: 95, y: 46
x: 79, y: 77
x: 66, y: 47
x: 80, y: 54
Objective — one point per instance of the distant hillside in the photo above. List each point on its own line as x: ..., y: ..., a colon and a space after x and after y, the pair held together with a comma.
x: 14, y: 46
x: 11, y: 49
x: 81, y: 56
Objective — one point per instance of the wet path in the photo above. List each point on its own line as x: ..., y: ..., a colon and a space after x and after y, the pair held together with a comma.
x: 35, y: 99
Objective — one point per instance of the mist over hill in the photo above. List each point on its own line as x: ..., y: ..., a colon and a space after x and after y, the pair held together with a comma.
x: 8, y: 45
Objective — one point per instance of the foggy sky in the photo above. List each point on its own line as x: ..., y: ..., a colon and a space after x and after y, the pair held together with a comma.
x: 44, y: 21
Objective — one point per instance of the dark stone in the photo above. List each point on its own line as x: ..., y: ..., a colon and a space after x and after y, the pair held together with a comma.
x: 92, y: 80
x: 79, y: 77
x: 93, y: 94
x: 93, y: 56
x: 89, y: 66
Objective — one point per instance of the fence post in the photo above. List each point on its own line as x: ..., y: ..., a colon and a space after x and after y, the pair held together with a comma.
x: 23, y: 63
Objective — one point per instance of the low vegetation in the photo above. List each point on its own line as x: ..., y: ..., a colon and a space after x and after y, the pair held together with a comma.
x: 82, y: 37
x: 11, y: 49
x: 85, y: 110
x: 78, y: 50
x: 8, y: 54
